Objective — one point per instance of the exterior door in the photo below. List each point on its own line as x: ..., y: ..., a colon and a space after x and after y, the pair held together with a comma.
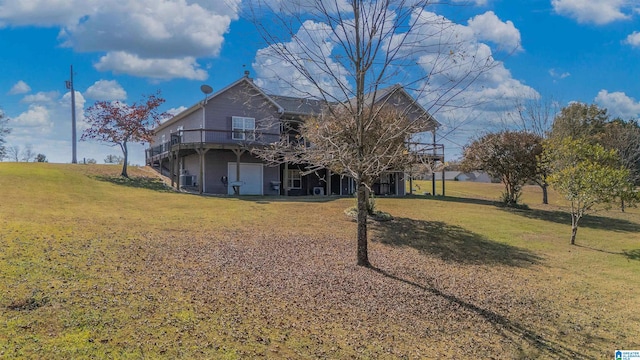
x: 250, y: 178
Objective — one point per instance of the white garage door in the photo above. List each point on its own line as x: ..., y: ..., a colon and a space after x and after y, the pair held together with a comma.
x: 250, y: 177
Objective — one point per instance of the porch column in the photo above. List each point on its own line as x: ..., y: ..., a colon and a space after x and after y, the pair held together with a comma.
x: 201, y: 186
x: 433, y: 182
x: 410, y: 185
x: 171, y: 166
x: 328, y: 182
x: 238, y: 153
x: 285, y: 181
x: 443, y: 181
x: 176, y: 171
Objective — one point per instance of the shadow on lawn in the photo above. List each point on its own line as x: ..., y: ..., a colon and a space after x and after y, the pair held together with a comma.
x: 456, y: 199
x: 508, y: 329
x: 278, y: 198
x: 589, y: 221
x: 451, y: 243
x: 141, y: 182
x: 632, y: 254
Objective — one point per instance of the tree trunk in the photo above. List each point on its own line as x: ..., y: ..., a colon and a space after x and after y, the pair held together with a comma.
x: 622, y: 205
x: 363, y: 255
x: 545, y: 194
x: 125, y: 152
x: 574, y: 228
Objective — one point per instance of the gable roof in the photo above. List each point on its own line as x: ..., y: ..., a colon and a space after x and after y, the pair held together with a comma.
x: 386, y: 93
x: 299, y: 106
x: 296, y: 106
x: 197, y: 106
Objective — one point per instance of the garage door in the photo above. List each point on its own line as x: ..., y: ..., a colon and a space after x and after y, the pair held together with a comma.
x: 250, y: 177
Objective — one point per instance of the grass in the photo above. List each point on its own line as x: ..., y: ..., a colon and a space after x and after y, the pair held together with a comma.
x: 92, y: 266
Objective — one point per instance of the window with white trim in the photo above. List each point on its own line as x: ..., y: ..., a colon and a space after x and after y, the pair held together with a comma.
x: 243, y: 128
x: 294, y: 179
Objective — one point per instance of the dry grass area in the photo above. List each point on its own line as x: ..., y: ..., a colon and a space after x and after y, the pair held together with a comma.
x: 95, y: 267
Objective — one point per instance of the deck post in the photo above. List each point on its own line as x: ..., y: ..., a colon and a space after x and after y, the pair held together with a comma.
x: 175, y: 170
x: 433, y: 182
x: 201, y: 185
x: 171, y: 162
x: 238, y: 153
x: 410, y: 185
x: 285, y: 181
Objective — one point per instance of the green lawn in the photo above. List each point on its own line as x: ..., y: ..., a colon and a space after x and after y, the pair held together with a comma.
x: 95, y: 267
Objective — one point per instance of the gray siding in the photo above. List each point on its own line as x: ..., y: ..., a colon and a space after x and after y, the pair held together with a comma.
x: 216, y: 166
x: 239, y: 100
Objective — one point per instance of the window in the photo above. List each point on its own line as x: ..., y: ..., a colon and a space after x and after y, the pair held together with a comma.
x: 294, y: 179
x: 243, y: 128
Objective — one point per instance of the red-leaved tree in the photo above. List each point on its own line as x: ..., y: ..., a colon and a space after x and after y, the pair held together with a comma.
x: 117, y: 123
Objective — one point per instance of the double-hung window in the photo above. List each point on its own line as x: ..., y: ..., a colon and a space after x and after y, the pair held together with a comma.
x: 294, y: 179
x: 243, y: 128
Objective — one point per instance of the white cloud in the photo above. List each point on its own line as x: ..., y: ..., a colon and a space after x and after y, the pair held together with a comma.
x: 619, y: 104
x: 281, y: 77
x: 41, y: 97
x: 105, y: 90
x: 302, y: 6
x: 176, y: 111
x: 153, y: 28
x: 20, y: 87
x: 633, y: 39
x: 44, y: 12
x: 451, y: 54
x: 159, y: 32
x: 558, y: 75
x: 161, y: 69
x: 37, y: 118
x: 489, y: 27
x: 599, y: 12
x: 451, y: 72
x: 475, y: 2
x: 459, y: 63
x: 47, y: 127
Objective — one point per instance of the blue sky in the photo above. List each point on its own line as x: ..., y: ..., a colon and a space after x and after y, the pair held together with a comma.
x: 570, y: 50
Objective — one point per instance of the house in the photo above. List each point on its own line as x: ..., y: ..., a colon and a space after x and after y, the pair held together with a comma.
x: 207, y: 147
x: 474, y: 176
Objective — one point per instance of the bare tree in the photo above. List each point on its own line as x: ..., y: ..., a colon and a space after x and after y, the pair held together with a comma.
x: 624, y: 137
x: 113, y: 159
x: 348, y: 53
x: 28, y: 154
x: 13, y: 153
x: 4, y: 131
x: 535, y: 114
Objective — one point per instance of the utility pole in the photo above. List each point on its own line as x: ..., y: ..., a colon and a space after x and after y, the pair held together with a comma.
x: 69, y: 84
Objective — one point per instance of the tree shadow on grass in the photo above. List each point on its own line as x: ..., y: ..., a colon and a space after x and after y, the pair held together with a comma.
x: 452, y: 243
x: 141, y: 182
x: 509, y: 330
x: 259, y: 199
x: 632, y: 254
x: 456, y: 199
x: 589, y: 221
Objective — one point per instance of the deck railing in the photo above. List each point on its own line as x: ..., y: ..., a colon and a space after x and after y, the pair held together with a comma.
x: 209, y: 136
x: 258, y: 138
x: 428, y: 150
